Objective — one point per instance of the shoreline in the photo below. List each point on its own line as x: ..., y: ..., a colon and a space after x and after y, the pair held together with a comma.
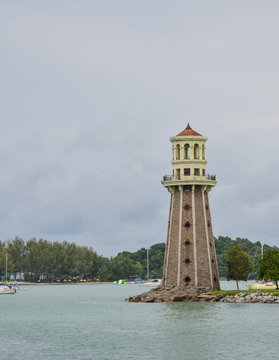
x: 25, y: 283
x: 226, y: 296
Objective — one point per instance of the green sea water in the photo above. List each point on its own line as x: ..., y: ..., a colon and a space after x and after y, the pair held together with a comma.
x: 83, y: 322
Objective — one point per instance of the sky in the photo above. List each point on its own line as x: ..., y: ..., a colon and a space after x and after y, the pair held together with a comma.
x: 91, y: 91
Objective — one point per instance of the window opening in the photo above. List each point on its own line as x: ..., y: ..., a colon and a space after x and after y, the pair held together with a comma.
x: 197, y: 172
x: 187, y: 172
x: 177, y: 152
x: 196, y: 152
x: 186, y: 151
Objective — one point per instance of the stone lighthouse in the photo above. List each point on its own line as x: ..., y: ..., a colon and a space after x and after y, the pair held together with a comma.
x: 190, y: 257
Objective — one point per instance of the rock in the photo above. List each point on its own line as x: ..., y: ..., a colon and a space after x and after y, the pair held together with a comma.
x: 171, y: 298
x: 150, y: 299
x: 268, y: 299
x: 158, y: 300
x: 207, y: 297
x: 203, y: 298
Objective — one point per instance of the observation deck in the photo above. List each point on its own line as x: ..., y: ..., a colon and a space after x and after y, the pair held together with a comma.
x: 170, y: 180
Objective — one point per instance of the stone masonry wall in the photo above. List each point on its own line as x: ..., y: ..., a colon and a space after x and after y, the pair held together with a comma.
x: 215, y: 273
x: 187, y: 261
x: 171, y: 273
x: 202, y: 251
x: 167, y: 243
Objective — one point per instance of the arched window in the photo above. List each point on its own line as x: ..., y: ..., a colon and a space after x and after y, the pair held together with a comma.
x: 186, y: 151
x: 203, y: 152
x: 196, y: 152
x: 177, y: 152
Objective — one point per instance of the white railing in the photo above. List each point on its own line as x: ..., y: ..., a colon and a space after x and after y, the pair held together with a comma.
x: 189, y: 177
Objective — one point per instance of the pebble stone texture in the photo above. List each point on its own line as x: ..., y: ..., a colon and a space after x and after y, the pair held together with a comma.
x: 190, y: 256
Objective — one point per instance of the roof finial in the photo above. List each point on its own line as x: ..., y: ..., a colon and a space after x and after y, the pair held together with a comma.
x: 188, y: 127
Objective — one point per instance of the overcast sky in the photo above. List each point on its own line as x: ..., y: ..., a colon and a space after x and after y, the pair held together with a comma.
x: 91, y: 92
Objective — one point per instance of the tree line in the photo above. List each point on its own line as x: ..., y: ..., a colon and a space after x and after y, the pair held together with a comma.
x: 42, y: 260
x: 45, y: 261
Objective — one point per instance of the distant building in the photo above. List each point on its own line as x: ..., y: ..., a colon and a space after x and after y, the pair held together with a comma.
x: 190, y: 257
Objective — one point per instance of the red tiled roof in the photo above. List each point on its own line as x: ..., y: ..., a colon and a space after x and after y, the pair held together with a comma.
x: 188, y: 132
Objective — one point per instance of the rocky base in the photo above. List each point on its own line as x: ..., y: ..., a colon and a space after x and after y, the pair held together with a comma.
x: 193, y: 295
x: 256, y: 297
x: 170, y: 295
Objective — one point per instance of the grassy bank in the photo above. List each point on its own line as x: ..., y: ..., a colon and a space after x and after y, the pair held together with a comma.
x: 223, y: 293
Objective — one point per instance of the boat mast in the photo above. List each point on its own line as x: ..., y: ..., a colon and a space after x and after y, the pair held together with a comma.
x: 6, y: 267
x: 147, y: 264
x: 262, y: 247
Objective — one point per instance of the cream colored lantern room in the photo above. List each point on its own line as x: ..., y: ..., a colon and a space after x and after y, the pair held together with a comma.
x: 189, y: 159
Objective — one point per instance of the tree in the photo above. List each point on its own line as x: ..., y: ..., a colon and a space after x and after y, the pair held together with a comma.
x: 122, y: 267
x: 103, y: 269
x: 269, y: 266
x: 239, y: 264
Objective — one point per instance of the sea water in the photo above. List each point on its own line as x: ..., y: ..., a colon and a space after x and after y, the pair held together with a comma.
x: 80, y: 322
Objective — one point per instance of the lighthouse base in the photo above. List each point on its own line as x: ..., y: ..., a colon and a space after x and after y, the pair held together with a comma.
x: 168, y: 295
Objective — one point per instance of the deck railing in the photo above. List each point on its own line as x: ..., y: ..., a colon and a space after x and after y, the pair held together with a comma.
x: 192, y: 177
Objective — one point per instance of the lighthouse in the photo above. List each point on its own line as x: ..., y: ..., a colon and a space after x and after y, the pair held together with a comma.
x: 190, y: 257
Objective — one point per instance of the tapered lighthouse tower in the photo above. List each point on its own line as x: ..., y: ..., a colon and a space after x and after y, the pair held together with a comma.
x: 190, y: 257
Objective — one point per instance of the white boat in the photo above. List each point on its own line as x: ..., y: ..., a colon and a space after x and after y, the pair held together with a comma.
x: 151, y: 282
x: 269, y: 285
x: 262, y: 285
x: 7, y: 289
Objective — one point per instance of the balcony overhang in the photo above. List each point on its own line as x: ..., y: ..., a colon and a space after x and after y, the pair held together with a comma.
x: 169, y: 183
x: 190, y: 138
x: 208, y: 180
x: 189, y: 162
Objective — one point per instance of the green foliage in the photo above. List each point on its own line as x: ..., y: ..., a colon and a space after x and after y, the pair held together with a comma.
x: 269, y: 266
x: 239, y: 264
x: 242, y: 293
x: 121, y: 267
x: 41, y: 260
x: 156, y: 260
x: 223, y: 243
x: 51, y: 261
x: 47, y: 261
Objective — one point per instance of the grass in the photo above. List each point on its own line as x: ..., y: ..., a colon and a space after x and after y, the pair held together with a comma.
x: 244, y: 293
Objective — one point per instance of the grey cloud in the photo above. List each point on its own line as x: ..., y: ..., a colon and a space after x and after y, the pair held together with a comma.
x: 90, y: 94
